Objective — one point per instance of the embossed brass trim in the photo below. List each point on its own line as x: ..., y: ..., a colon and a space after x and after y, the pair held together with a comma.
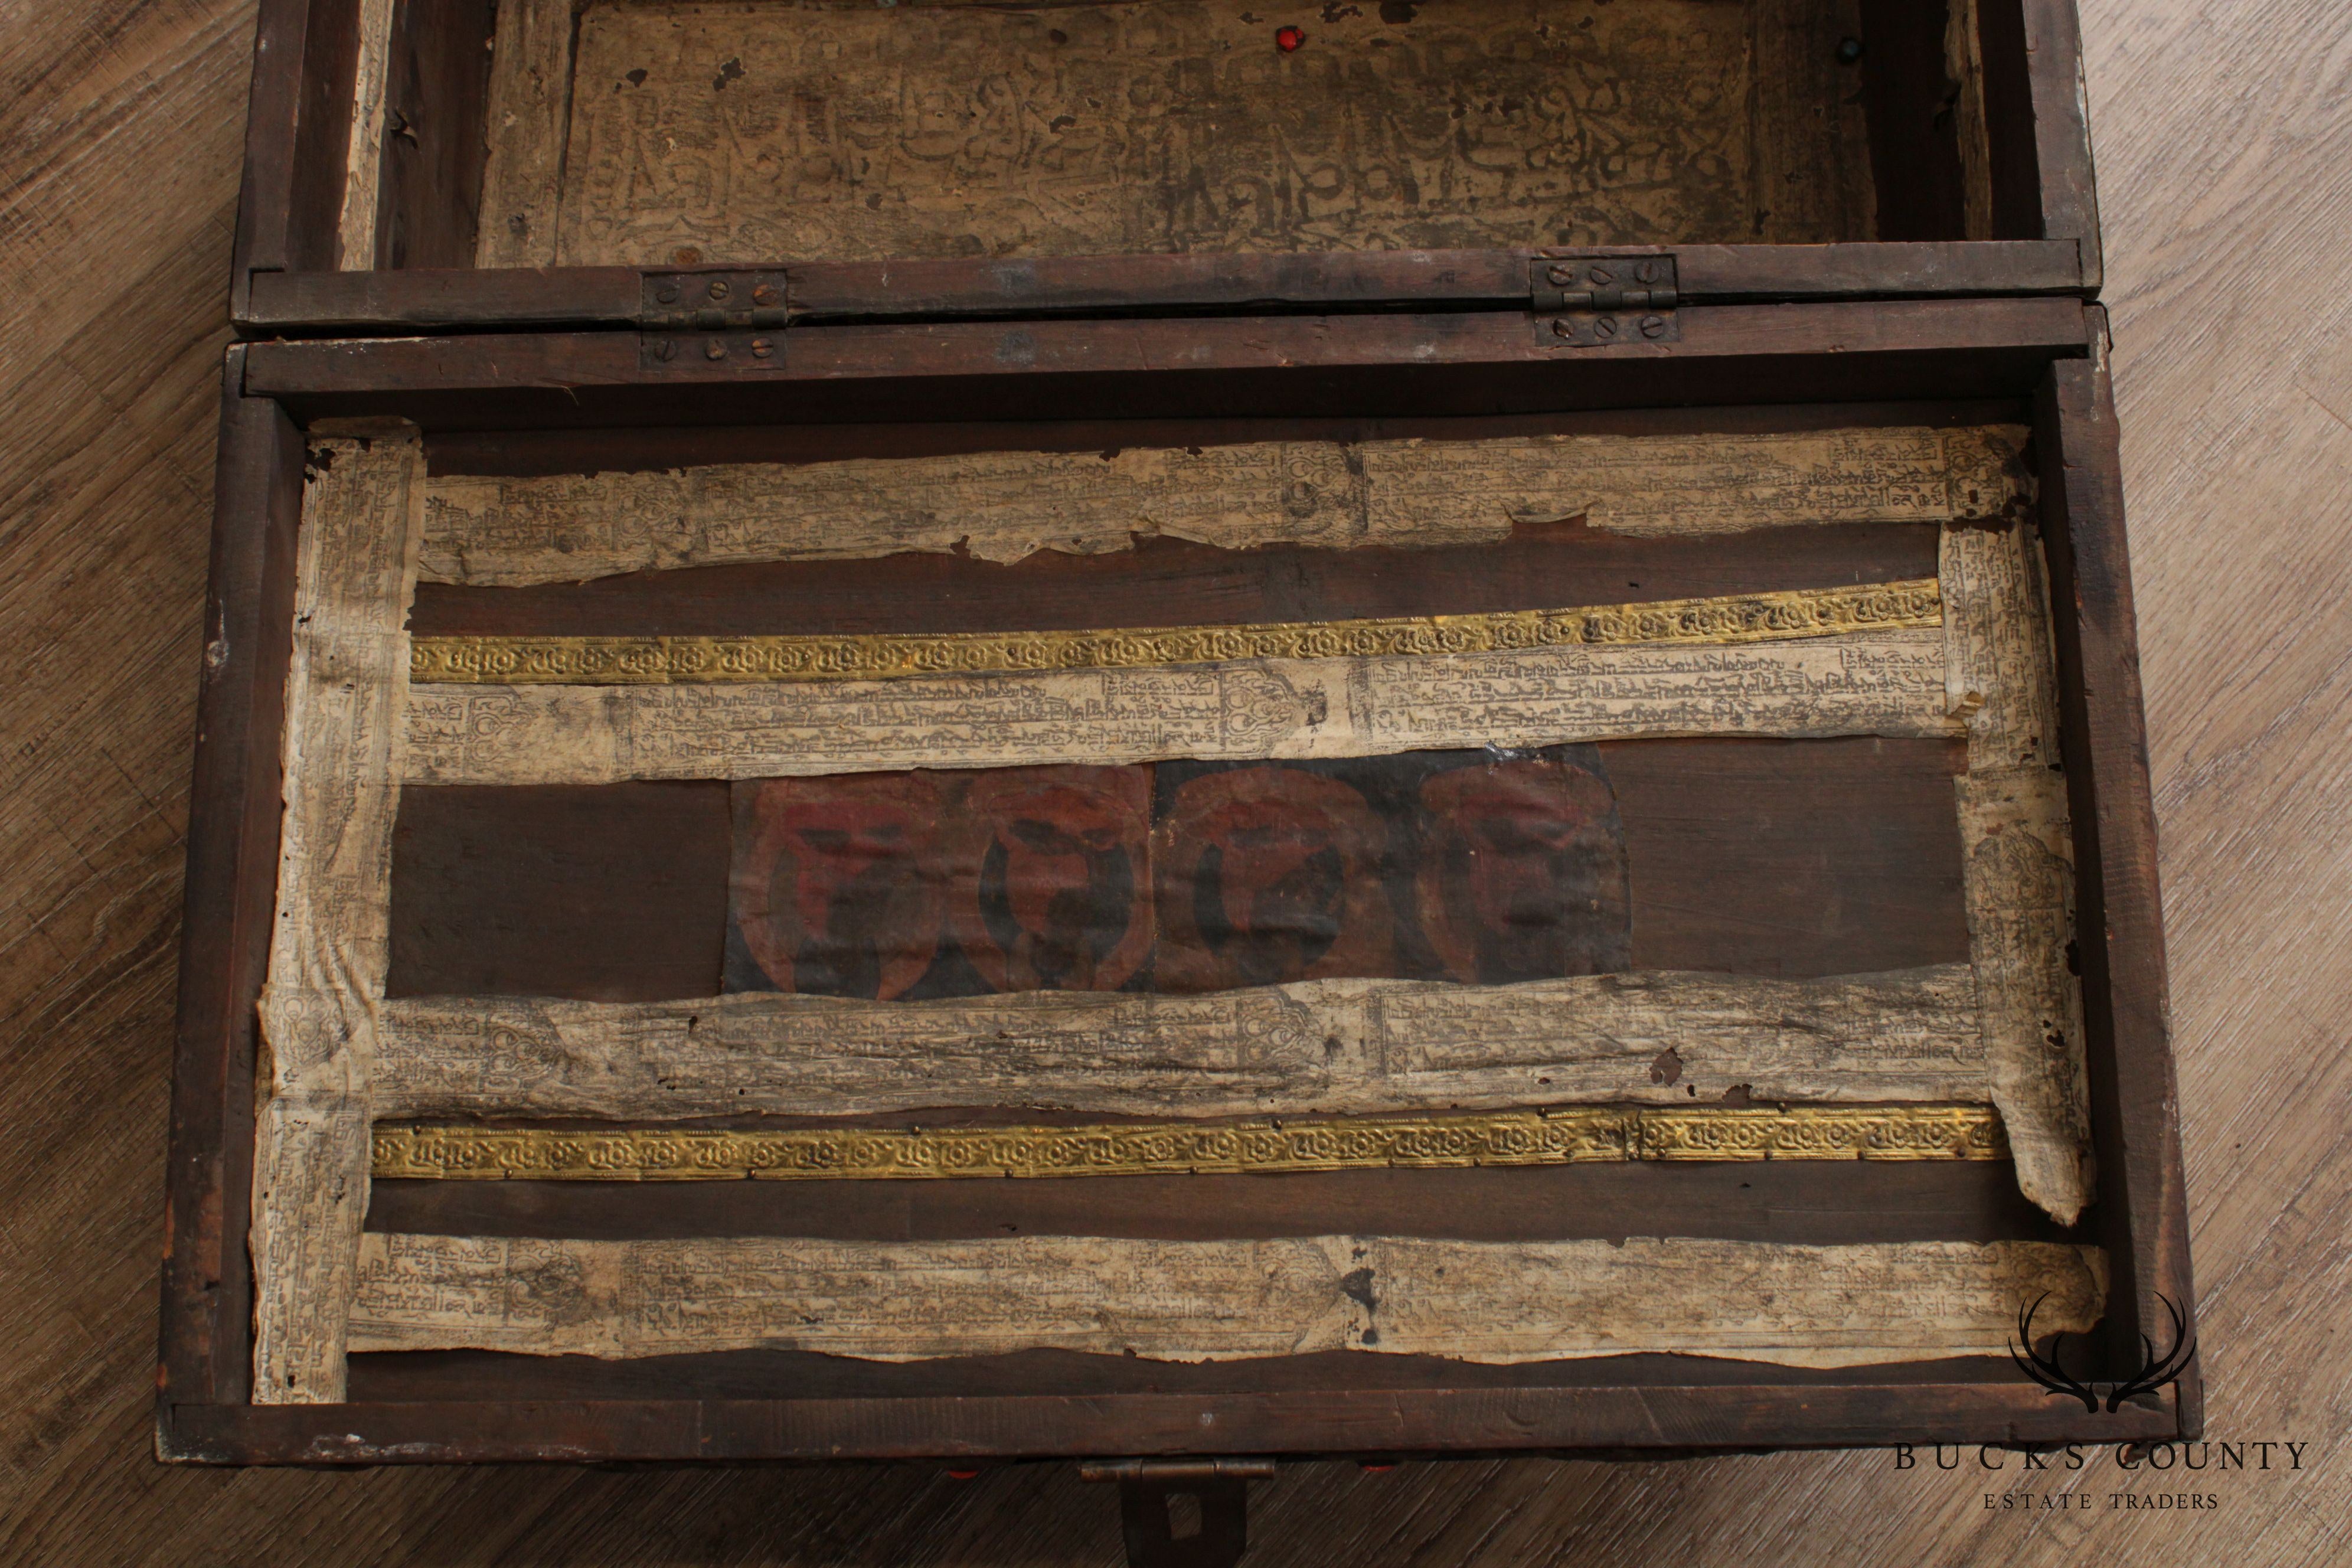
x: 1713, y: 1133
x: 633, y: 661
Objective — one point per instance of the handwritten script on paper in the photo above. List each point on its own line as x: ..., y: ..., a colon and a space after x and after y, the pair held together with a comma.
x: 496, y: 531
x: 1325, y: 1045
x: 1883, y: 683
x: 831, y: 133
x: 1216, y: 1301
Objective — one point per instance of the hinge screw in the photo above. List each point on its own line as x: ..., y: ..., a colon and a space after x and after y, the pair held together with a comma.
x: 762, y: 348
x: 1653, y: 325
x: 667, y: 294
x: 1601, y: 274
x: 666, y: 349
x: 714, y: 350
x: 1606, y: 327
x: 1563, y: 328
x: 1562, y: 275
x: 718, y: 288
x: 765, y: 294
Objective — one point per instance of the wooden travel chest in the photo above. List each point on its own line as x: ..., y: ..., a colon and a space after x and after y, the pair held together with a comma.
x: 1427, y: 742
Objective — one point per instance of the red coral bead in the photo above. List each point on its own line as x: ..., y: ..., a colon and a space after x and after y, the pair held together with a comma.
x: 1287, y: 40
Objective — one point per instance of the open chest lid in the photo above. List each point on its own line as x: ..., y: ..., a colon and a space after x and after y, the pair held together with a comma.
x: 745, y: 164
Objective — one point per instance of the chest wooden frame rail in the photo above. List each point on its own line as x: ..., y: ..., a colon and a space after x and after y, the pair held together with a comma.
x: 2046, y: 359
x: 2037, y: 228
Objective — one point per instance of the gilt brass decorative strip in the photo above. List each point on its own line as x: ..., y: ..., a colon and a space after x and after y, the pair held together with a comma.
x: 1569, y: 1136
x: 635, y: 661
x: 1718, y: 1132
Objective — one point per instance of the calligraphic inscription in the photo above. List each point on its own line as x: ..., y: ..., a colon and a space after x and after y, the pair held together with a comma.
x: 354, y: 574
x: 814, y: 131
x: 1183, y: 878
x: 1318, y: 1047
x: 696, y: 660
x: 1998, y: 653
x: 511, y: 531
x: 1554, y: 1137
x: 2017, y: 847
x: 1876, y: 683
x: 1211, y: 1301
x: 2018, y: 883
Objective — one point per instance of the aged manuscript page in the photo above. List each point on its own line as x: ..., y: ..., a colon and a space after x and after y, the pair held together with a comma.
x: 721, y: 131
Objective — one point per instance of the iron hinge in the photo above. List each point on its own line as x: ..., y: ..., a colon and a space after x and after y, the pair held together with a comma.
x: 735, y: 315
x: 1593, y: 302
x: 1183, y: 1513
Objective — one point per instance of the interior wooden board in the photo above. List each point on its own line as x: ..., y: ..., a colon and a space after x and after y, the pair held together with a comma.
x: 1408, y: 912
x: 727, y: 132
x: 1779, y: 858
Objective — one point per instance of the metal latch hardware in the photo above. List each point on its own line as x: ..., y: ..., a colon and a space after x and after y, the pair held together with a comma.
x: 1590, y: 301
x: 731, y: 300
x: 1183, y: 1513
x: 734, y: 315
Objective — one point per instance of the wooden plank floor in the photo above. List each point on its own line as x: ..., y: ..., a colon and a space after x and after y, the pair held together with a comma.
x: 2224, y: 132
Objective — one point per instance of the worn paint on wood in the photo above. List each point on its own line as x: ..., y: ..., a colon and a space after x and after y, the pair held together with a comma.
x: 1425, y: 866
